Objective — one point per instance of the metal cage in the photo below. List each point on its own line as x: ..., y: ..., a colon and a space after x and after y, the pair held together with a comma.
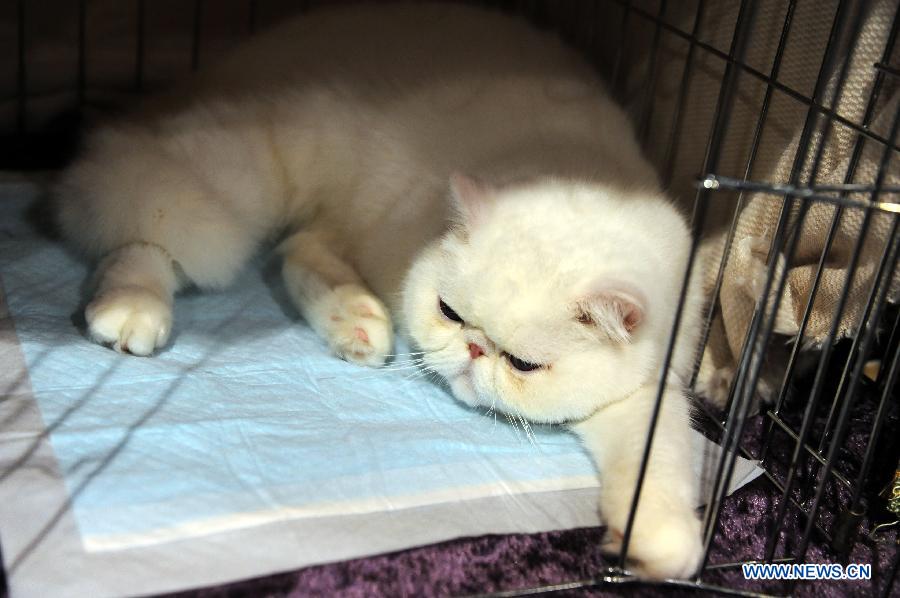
x: 827, y: 429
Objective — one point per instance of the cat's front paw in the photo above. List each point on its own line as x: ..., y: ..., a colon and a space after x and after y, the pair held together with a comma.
x: 359, y: 327
x: 670, y: 549
x: 130, y: 319
x: 714, y: 384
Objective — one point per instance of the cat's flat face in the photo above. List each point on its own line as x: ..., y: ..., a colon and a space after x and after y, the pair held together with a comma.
x: 507, y: 309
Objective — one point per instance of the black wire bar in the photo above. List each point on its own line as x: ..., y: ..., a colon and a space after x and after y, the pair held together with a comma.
x: 751, y: 359
x: 835, y: 45
x: 810, y: 102
x: 683, y: 89
x: 646, y: 111
x: 723, y: 114
x: 834, y: 226
x: 871, y: 443
x: 867, y: 331
x: 616, y: 78
x: 754, y: 150
x: 725, y: 102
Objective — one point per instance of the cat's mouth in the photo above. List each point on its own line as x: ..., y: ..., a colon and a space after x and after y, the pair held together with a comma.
x: 463, y: 387
x: 465, y: 380
x: 461, y: 379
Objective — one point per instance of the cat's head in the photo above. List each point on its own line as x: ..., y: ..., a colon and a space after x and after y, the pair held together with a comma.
x: 548, y: 299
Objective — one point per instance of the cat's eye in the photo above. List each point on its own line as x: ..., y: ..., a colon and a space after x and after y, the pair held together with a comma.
x: 448, y: 311
x: 521, y: 364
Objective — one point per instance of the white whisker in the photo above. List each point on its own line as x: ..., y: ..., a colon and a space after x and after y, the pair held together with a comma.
x: 404, y: 362
x: 419, y: 373
x: 515, y: 425
x: 406, y: 354
x: 529, y: 433
x: 405, y: 366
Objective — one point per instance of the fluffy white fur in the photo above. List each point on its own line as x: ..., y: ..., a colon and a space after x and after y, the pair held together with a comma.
x: 341, y: 131
x: 582, y: 279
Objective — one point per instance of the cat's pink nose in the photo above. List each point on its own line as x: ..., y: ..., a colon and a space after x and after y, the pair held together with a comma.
x: 475, y: 351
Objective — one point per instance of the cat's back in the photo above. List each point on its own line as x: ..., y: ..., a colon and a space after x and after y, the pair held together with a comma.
x: 392, y: 47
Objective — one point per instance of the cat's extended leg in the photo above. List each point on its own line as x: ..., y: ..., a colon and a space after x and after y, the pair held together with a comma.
x: 335, y: 302
x: 132, y: 304
x: 135, y: 280
x: 665, y: 539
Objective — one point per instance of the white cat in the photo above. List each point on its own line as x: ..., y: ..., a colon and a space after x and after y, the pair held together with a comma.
x: 544, y: 283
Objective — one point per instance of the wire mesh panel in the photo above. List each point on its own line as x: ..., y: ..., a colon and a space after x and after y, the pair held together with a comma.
x: 774, y: 122
x: 802, y: 255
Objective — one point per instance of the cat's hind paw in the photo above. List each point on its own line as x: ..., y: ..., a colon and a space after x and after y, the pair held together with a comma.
x: 670, y: 550
x: 359, y: 327
x: 130, y: 319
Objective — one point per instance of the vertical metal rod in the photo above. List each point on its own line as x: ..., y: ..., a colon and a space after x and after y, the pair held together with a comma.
x: 855, y: 352
x: 867, y: 330
x: 21, y: 72
x: 754, y: 150
x: 678, y: 114
x: 844, y: 418
x: 650, y: 86
x: 751, y: 360
x: 879, y: 78
x: 749, y: 368
x: 788, y: 203
x: 82, y: 52
x: 880, y: 419
x: 892, y: 346
x: 858, y: 148
x: 139, y: 46
x: 821, y: 373
x: 4, y: 583
x: 195, y: 34
x: 713, y: 150
x: 618, y: 67
x: 819, y: 380
x: 804, y: 322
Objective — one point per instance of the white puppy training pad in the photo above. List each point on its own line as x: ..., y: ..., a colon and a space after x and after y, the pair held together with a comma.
x: 242, y: 449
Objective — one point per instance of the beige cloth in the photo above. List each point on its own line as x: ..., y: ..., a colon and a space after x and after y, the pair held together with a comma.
x: 757, y: 220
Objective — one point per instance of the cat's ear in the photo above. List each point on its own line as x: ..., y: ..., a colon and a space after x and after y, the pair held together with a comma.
x: 614, y: 308
x: 470, y: 197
